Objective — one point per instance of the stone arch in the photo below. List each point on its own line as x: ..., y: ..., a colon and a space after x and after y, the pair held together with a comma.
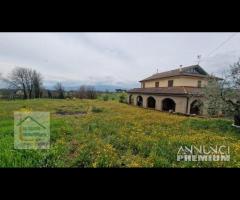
x: 131, y: 99
x: 196, y: 107
x: 168, y: 105
x: 139, y: 101
x: 151, y: 102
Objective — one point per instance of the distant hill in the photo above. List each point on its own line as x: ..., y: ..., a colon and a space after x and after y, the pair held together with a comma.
x: 98, y: 87
x: 2, y: 84
x: 75, y: 86
x: 102, y: 88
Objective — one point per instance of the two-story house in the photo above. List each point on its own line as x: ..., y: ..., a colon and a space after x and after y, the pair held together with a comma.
x: 178, y: 90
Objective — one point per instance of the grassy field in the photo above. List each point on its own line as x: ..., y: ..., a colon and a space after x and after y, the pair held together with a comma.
x: 111, y: 134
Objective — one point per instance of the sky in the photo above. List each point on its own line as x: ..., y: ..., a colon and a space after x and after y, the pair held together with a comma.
x: 114, y: 59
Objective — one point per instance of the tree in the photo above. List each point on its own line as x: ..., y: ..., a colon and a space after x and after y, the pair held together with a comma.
x: 212, y: 93
x: 27, y: 80
x: 87, y: 92
x: 37, y: 84
x: 49, y: 94
x: 60, y: 90
x: 224, y: 95
x: 91, y: 92
x: 123, y: 98
x: 82, y: 92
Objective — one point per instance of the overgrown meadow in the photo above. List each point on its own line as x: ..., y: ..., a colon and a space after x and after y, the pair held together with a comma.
x: 106, y: 133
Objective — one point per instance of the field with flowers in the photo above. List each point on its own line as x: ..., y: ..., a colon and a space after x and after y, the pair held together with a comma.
x: 98, y: 133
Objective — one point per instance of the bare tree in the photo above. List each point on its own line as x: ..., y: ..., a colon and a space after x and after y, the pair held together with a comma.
x: 16, y: 80
x: 37, y: 84
x: 27, y: 80
x: 82, y: 92
x: 87, y: 92
x: 91, y: 92
x: 60, y: 90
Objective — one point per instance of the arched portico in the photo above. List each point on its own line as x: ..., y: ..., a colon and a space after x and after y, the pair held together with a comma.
x: 196, y: 107
x: 168, y: 105
x: 151, y: 102
x: 139, y: 101
x: 131, y: 99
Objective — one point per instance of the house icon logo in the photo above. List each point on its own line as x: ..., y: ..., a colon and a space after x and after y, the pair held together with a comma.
x: 31, y: 130
x: 27, y: 126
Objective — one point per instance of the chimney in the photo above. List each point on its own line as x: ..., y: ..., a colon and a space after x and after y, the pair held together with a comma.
x: 180, y: 68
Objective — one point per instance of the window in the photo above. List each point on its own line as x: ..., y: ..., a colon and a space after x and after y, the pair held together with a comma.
x: 170, y: 83
x: 143, y: 85
x: 156, y: 84
x: 199, y: 84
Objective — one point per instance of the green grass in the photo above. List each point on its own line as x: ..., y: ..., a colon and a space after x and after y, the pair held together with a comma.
x: 112, y: 134
x: 111, y: 96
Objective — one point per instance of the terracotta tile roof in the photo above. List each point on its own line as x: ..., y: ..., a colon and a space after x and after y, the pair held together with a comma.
x: 184, y: 71
x: 180, y: 90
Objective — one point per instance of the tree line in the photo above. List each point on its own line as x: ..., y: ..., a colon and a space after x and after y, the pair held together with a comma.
x: 27, y: 83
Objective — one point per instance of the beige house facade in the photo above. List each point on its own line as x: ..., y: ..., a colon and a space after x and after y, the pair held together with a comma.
x: 178, y: 90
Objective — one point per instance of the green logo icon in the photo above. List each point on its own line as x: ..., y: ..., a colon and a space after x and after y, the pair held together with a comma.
x: 31, y: 130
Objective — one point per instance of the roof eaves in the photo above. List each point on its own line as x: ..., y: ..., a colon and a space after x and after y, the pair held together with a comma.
x: 182, y: 74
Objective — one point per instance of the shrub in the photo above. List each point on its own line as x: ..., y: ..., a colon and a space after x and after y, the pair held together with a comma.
x: 122, y: 99
x: 105, y: 98
x: 96, y: 110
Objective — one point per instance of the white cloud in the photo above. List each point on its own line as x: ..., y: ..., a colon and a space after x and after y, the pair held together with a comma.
x: 112, y: 58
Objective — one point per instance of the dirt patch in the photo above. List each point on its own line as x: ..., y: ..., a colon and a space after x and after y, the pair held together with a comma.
x: 70, y: 110
x: 71, y: 113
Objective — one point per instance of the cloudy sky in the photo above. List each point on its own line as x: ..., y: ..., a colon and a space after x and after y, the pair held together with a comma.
x: 118, y: 59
